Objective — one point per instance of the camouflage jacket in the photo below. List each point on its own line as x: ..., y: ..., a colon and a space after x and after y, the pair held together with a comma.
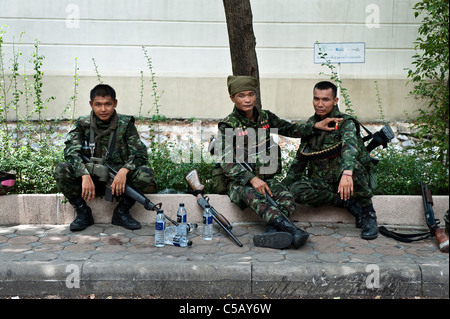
x: 129, y: 151
x: 260, y: 151
x: 351, y: 151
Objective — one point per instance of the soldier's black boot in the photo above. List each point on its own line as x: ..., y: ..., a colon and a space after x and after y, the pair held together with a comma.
x: 273, y: 239
x: 122, y: 217
x: 369, y: 224
x: 84, y: 214
x: 283, y: 224
x: 354, y: 208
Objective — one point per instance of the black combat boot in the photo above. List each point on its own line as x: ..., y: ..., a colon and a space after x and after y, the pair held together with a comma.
x: 273, y: 239
x: 84, y: 214
x: 354, y: 208
x: 369, y: 224
x: 122, y: 217
x: 283, y: 224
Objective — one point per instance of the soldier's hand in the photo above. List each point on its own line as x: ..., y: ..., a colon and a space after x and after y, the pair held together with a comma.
x: 87, y: 188
x: 118, y: 185
x: 260, y: 186
x: 345, y: 188
x: 324, y: 124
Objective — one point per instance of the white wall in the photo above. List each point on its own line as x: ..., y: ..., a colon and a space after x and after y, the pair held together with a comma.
x: 188, y: 43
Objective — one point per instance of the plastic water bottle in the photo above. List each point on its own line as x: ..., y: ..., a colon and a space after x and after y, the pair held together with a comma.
x: 159, y: 229
x: 182, y: 220
x: 181, y: 214
x: 207, y: 223
x: 172, y: 237
x: 170, y: 231
x: 182, y: 229
x: 191, y: 227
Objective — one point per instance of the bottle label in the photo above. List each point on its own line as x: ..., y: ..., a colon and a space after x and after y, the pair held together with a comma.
x: 207, y: 220
x: 159, y: 225
x: 181, y: 219
x: 176, y: 240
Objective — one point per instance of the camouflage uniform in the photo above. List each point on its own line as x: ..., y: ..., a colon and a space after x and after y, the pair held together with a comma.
x: 239, y: 189
x: 315, y: 182
x: 128, y: 152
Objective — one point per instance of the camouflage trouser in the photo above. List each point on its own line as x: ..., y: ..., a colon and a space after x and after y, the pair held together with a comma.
x: 247, y: 196
x: 142, y: 178
x: 316, y: 192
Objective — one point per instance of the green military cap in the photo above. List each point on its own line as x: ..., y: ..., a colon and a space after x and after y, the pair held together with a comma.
x: 239, y: 83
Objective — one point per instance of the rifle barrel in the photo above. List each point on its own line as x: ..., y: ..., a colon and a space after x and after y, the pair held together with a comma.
x: 441, y: 236
x: 227, y: 230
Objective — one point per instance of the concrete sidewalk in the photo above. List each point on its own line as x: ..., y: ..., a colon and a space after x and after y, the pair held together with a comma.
x: 106, y: 260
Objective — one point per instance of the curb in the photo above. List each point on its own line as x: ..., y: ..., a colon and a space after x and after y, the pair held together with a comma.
x: 200, y: 280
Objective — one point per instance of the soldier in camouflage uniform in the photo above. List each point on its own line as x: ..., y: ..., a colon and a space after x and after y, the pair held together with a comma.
x: 333, y: 168
x: 117, y: 141
x: 245, y: 139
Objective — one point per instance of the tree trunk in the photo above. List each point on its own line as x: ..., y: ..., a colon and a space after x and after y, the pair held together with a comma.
x: 242, y: 40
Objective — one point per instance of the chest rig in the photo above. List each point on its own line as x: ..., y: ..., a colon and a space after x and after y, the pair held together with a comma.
x: 96, y: 166
x: 111, y: 143
x: 252, y: 140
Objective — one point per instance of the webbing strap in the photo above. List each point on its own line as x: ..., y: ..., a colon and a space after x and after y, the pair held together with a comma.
x: 406, y: 238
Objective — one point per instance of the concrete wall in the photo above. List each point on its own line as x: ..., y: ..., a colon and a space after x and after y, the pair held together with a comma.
x: 188, y: 43
x: 54, y: 209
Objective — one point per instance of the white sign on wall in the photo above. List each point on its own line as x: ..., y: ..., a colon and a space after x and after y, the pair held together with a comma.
x: 340, y: 52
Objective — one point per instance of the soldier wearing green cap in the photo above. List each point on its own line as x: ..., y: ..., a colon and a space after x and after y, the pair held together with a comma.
x: 251, y: 159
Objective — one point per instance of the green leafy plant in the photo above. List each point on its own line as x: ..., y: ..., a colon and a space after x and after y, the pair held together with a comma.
x: 431, y: 80
x: 400, y: 173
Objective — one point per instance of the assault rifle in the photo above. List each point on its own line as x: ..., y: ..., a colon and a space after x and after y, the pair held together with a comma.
x: 194, y: 183
x: 432, y: 223
x: 248, y: 168
x: 100, y: 168
x: 269, y: 198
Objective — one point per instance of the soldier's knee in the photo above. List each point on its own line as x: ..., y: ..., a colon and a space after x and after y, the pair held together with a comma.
x: 62, y: 170
x: 145, y: 179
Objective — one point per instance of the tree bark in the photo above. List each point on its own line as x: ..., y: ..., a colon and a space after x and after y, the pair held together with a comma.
x: 242, y: 40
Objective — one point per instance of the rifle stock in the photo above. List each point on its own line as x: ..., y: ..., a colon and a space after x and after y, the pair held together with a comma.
x: 439, y: 232
x: 194, y: 183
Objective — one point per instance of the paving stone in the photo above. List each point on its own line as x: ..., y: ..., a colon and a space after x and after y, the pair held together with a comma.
x: 320, y: 230
x: 22, y: 240
x: 54, y: 239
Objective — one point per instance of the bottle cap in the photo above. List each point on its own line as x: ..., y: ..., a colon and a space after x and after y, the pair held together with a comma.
x: 189, y: 243
x: 182, y: 204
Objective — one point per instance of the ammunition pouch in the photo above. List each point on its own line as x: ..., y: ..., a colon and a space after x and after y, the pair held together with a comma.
x: 219, y: 181
x: 98, y: 169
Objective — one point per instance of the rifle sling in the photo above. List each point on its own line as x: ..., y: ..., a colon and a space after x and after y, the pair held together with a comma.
x: 111, y: 143
x: 197, y: 192
x: 406, y: 238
